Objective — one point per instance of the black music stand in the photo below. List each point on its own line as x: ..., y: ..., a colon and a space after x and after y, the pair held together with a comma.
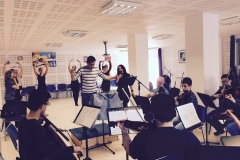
x: 130, y: 81
x: 207, y: 101
x: 87, y: 119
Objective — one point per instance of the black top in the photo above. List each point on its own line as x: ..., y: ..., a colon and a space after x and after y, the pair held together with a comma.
x: 123, y: 84
x: 41, y: 82
x: 163, y: 141
x: 188, y: 98
x: 105, y: 83
x: 33, y: 143
x: 9, y: 90
x: 224, y: 103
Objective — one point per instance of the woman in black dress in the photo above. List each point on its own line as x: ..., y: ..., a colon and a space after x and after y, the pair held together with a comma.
x: 122, y: 75
x: 105, y: 86
x: 41, y: 77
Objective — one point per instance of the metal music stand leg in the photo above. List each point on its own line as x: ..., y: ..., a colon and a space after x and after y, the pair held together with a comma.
x: 103, y: 144
x: 86, y: 139
x: 126, y: 156
x: 207, y: 142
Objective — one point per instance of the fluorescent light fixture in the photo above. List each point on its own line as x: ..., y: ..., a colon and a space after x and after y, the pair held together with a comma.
x: 76, y: 33
x: 230, y: 21
x: 163, y: 36
x: 120, y: 7
x: 54, y: 45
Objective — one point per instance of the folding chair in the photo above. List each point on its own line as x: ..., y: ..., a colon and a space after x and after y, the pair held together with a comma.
x: 13, y: 134
x: 62, y: 88
x: 52, y: 89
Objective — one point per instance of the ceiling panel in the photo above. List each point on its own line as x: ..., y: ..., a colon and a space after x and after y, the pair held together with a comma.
x: 31, y: 24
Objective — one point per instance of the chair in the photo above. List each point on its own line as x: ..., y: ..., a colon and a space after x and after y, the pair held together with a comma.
x: 27, y: 90
x: 69, y: 90
x: 150, y: 86
x: 52, y: 89
x: 13, y: 133
x: 113, y: 83
x: 62, y: 88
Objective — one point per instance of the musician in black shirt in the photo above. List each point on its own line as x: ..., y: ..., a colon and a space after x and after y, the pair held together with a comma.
x: 214, y: 116
x: 163, y: 141
x: 33, y: 144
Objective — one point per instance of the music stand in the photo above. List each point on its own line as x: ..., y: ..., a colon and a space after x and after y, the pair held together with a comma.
x: 207, y: 101
x: 86, y: 118
x: 143, y: 102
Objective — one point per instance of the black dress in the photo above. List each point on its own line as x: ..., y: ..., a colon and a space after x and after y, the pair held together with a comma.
x: 41, y: 83
x: 106, y: 83
x: 122, y: 84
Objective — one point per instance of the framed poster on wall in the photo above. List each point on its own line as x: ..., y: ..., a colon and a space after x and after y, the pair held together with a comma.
x: 39, y: 58
x: 182, y: 56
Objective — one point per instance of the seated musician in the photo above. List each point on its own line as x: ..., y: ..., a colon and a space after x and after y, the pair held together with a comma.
x: 33, y: 144
x: 165, y: 139
x: 214, y: 116
x: 232, y: 123
x: 186, y: 97
x: 160, y: 88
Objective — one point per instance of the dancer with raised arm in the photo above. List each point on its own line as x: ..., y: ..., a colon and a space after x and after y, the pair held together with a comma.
x: 104, y: 68
x: 74, y: 81
x: 41, y: 76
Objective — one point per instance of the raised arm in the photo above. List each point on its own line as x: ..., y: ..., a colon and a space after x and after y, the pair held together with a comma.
x: 110, y: 66
x: 100, y: 65
x: 80, y: 65
x: 4, y: 67
x: 46, y: 68
x: 34, y: 69
x: 69, y: 68
x: 21, y: 73
x: 15, y: 86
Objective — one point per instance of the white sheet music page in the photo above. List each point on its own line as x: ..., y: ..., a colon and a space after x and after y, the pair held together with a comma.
x: 116, y: 116
x: 132, y: 115
x: 188, y: 115
x: 87, y: 116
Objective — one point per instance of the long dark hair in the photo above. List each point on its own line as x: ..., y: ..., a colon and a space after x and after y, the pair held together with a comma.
x: 8, y: 75
x: 123, y: 68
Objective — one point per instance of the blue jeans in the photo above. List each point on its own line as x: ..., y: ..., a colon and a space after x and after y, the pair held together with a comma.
x: 177, y: 123
x: 86, y: 98
x: 233, y: 129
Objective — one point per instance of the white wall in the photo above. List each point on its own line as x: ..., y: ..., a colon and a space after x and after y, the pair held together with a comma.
x: 170, y: 62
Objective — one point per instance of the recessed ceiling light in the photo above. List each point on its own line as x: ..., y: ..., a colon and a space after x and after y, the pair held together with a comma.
x: 120, y: 7
x: 76, y: 33
x: 163, y: 36
x: 54, y: 45
x: 122, y: 46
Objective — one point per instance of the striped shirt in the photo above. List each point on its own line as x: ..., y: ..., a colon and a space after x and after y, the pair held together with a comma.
x: 89, y: 78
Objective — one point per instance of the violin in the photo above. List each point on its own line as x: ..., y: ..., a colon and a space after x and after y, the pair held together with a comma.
x: 182, y: 95
x: 161, y: 90
x: 226, y: 90
x: 134, y: 125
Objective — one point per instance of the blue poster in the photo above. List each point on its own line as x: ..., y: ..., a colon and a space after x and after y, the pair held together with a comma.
x: 39, y: 58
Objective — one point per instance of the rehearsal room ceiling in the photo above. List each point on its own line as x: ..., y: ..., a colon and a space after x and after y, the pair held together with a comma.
x: 29, y: 25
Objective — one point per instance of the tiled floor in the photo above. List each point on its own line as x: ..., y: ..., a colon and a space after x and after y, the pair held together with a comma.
x: 61, y: 113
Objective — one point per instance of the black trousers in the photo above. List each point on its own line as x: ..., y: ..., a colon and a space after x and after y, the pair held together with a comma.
x: 75, y: 90
x: 124, y: 98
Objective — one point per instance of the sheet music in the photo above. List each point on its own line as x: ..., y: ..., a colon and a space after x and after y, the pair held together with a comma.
x: 132, y: 115
x: 87, y: 116
x: 116, y: 116
x: 188, y: 115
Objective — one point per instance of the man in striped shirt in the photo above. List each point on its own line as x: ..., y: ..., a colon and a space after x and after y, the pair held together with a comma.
x: 89, y: 75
